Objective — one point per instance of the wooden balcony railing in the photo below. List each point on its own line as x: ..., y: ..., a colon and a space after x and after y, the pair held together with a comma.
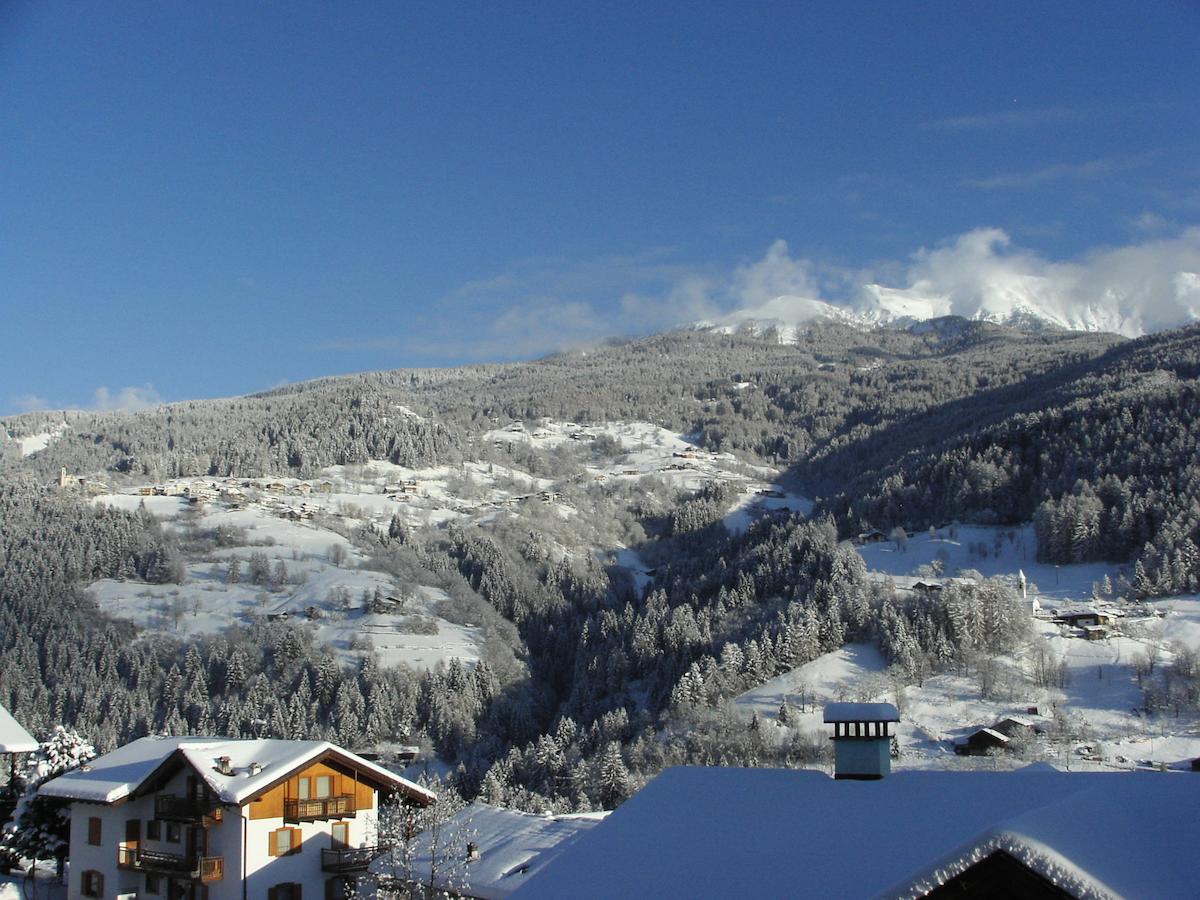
x: 182, y: 809
x: 328, y: 808
x: 354, y: 859
x: 200, y: 868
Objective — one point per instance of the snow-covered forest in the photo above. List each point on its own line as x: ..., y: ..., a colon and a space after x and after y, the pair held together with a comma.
x: 612, y: 587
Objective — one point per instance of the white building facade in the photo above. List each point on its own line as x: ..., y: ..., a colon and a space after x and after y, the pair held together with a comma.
x: 207, y: 819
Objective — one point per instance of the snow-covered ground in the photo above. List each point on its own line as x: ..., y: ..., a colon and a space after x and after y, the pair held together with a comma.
x: 328, y: 598
x: 990, y: 551
x: 1102, y: 695
x: 292, y: 522
x: 33, y: 443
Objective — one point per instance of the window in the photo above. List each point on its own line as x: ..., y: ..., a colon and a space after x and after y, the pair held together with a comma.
x: 153, y: 884
x: 94, y: 830
x: 304, y: 793
x: 92, y: 884
x: 174, y: 832
x: 285, y: 891
x: 153, y: 830
x: 324, y: 787
x: 285, y: 842
x: 339, y: 832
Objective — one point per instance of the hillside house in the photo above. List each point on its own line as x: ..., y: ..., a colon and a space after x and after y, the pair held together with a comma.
x: 187, y: 818
x: 1081, y: 617
x: 979, y: 743
x: 1033, y: 833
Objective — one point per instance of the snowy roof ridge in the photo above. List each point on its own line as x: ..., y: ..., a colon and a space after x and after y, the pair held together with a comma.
x: 255, y: 765
x: 1030, y: 852
x: 13, y: 737
x: 861, y: 712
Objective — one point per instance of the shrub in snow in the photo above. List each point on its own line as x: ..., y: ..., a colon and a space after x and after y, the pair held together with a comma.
x: 40, y: 826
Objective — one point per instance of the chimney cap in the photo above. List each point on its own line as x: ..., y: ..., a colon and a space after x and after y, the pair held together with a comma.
x: 861, y: 712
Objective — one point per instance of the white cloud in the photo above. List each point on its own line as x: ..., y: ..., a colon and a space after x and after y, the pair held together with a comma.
x: 1017, y: 117
x: 555, y: 305
x: 126, y: 399
x: 1141, y: 287
x: 24, y: 403
x: 1089, y: 170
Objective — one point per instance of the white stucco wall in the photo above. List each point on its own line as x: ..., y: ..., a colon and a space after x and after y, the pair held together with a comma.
x: 263, y: 871
x: 243, y: 843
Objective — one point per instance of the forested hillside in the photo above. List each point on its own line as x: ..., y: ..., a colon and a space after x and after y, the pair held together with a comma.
x: 593, y: 680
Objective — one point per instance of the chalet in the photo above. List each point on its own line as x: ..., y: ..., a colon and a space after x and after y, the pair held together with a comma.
x: 1079, y: 617
x: 1094, y: 632
x: 146, y: 490
x: 1033, y: 833
x: 928, y: 588
x: 874, y: 536
x: 199, y: 491
x: 978, y: 743
x: 323, y: 487
x: 196, y: 817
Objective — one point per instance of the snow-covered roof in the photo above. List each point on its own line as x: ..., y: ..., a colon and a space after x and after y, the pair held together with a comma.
x: 512, y: 845
x: 256, y: 765
x: 861, y: 712
x: 14, y: 738
x: 722, y: 832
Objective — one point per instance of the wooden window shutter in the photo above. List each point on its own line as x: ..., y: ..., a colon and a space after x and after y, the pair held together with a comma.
x: 94, y: 831
x: 297, y: 890
x: 296, y: 841
x: 272, y: 893
x: 99, y: 884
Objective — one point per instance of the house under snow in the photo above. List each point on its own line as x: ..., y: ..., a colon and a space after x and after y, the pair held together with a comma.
x: 188, y: 818
x: 1037, y: 832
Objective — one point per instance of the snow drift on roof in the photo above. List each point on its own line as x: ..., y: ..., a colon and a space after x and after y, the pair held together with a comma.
x: 861, y: 712
x: 713, y: 832
x: 14, y: 738
x: 255, y: 766
x: 512, y: 846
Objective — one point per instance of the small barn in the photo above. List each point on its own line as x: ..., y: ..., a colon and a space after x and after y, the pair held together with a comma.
x: 978, y: 743
x: 1081, y: 617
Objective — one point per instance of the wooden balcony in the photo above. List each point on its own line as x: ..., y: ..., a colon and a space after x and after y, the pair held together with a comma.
x: 196, y: 868
x: 186, y: 809
x: 311, y: 810
x: 350, y: 859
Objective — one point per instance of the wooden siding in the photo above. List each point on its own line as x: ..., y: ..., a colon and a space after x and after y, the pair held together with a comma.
x: 270, y: 804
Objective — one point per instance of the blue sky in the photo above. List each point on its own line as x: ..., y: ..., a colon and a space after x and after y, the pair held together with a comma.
x: 209, y: 199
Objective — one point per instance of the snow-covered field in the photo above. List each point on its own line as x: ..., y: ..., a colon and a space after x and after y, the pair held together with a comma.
x: 328, y: 598
x: 1102, y: 696
x: 292, y: 522
x: 33, y: 443
x: 990, y: 551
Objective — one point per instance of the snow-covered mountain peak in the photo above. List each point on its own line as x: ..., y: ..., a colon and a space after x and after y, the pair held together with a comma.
x: 980, y: 276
